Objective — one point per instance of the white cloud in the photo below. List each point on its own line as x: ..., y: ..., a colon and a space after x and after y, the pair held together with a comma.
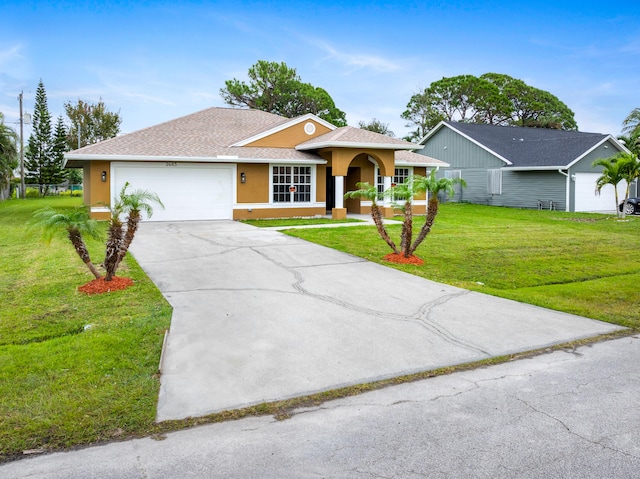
x: 355, y: 62
x: 9, y: 55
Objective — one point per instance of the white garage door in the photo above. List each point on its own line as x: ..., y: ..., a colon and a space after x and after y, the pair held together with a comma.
x: 588, y: 200
x: 188, y: 191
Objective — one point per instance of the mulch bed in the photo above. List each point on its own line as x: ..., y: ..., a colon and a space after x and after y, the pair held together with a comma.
x: 400, y: 258
x: 99, y: 286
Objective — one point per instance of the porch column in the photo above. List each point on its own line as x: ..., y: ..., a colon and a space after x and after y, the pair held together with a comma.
x: 339, y: 212
x: 387, y: 209
x: 386, y: 184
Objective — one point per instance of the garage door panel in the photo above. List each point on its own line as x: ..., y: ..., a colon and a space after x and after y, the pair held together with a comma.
x: 188, y: 191
x: 586, y: 198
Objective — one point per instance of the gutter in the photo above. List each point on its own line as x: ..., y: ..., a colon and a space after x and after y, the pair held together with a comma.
x: 567, y: 196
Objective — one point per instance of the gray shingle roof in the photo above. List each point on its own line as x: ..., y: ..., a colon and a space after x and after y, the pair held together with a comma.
x: 531, y: 147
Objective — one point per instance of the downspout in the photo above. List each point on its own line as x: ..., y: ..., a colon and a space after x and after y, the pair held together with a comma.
x: 567, y: 197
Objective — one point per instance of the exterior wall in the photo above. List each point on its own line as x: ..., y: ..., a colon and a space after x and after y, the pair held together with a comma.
x: 464, y: 155
x: 341, y: 159
x: 584, y: 165
x: 524, y: 189
x: 321, y: 183
x: 256, y: 189
x: 291, y: 136
x: 260, y: 213
x: 96, y: 192
x: 460, y: 153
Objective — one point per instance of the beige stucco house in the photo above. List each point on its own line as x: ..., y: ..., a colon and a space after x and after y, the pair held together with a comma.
x: 226, y: 163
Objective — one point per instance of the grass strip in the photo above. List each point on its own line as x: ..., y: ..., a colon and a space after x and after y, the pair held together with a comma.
x: 74, y: 369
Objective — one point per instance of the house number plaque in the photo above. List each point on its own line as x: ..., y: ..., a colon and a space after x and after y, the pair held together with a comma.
x: 172, y: 163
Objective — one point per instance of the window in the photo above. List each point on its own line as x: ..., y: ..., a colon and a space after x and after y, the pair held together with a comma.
x: 291, y: 184
x: 453, y: 174
x: 494, y: 182
x: 400, y: 177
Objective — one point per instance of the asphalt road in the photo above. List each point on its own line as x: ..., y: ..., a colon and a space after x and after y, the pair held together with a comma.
x: 567, y: 414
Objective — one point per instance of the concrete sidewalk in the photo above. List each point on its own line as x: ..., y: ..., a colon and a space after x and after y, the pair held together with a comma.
x: 260, y: 316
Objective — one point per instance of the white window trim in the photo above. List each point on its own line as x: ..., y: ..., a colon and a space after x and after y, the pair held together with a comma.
x: 292, y: 203
x: 377, y: 174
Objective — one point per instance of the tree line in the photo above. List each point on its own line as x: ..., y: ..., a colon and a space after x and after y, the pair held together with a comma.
x: 491, y: 98
x: 48, y: 142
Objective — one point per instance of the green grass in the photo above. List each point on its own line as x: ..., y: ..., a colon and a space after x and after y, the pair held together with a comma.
x: 583, y: 264
x: 74, y: 369
x: 297, y: 222
x: 62, y: 384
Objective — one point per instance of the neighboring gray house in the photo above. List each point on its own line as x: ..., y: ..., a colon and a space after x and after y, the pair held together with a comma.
x: 525, y: 167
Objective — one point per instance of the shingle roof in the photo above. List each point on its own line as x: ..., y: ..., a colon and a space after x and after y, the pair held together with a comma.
x: 349, y: 136
x: 205, y: 134
x: 531, y: 147
x: 211, y: 133
x: 408, y: 158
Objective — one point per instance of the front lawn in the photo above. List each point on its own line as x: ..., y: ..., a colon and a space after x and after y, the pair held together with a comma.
x: 585, y: 264
x: 74, y: 369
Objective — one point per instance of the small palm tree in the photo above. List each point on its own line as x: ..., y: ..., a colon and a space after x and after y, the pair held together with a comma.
x: 130, y: 204
x: 630, y: 167
x: 614, y: 170
x: 404, y: 192
x: 370, y: 192
x: 433, y: 187
x: 76, y: 223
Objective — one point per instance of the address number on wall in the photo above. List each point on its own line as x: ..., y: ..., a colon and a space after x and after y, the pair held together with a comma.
x: 171, y: 163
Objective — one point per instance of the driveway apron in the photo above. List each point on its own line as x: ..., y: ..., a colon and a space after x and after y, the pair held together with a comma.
x: 260, y: 316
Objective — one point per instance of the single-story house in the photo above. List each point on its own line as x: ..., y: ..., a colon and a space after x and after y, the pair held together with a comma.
x: 525, y: 167
x: 228, y: 163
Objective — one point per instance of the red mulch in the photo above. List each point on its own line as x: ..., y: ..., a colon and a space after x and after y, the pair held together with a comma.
x: 400, y: 258
x: 99, y: 286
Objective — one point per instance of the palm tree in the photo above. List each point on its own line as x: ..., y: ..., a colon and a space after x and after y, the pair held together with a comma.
x: 631, y: 123
x: 76, y: 223
x: 630, y: 167
x: 613, y: 172
x: 8, y: 155
x: 405, y: 192
x: 132, y: 204
x: 432, y: 186
x: 631, y: 142
x: 370, y: 192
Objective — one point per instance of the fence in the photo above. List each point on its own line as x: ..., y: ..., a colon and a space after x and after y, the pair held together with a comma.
x: 34, y: 191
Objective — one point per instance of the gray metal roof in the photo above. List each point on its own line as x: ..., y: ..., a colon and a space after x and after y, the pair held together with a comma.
x: 531, y: 147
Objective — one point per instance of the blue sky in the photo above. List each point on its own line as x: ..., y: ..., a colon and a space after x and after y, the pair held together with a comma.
x: 154, y: 61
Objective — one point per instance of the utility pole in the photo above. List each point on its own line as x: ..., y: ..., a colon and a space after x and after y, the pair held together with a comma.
x: 23, y: 190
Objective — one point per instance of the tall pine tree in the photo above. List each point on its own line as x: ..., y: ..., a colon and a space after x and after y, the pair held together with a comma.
x: 56, y: 172
x: 43, y: 168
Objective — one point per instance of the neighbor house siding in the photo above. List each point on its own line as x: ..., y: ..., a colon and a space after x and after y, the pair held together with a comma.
x: 524, y: 189
x: 452, y: 148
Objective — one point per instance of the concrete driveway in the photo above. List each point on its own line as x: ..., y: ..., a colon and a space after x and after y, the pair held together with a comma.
x: 260, y: 316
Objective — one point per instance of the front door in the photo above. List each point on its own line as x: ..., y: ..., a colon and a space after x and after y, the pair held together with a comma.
x: 331, y: 191
x: 354, y: 176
